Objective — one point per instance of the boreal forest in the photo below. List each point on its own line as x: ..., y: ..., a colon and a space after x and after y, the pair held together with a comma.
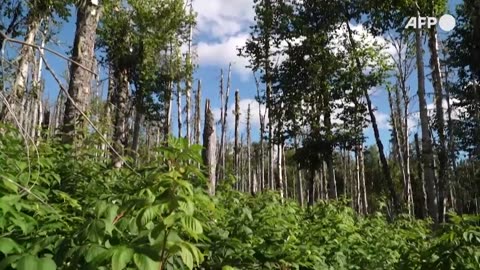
x: 239, y: 134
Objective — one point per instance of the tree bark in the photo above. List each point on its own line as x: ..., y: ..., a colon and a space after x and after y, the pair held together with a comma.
x: 249, y: 153
x: 440, y: 122
x: 80, y: 84
x: 198, y: 100
x: 236, y: 157
x: 209, y: 145
x: 20, y: 84
x: 427, y: 155
x: 179, y: 110
x: 120, y: 105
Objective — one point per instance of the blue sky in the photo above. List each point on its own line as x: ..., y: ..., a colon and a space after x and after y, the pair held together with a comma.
x: 222, y: 26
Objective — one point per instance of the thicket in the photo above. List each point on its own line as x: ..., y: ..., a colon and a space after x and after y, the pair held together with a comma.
x: 63, y: 207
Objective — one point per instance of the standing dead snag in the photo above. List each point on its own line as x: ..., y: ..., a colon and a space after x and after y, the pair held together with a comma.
x: 237, y: 124
x: 209, y: 145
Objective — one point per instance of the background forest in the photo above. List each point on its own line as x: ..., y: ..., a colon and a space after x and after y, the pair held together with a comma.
x: 134, y: 166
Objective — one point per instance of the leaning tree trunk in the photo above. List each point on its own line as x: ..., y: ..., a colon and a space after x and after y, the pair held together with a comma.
x: 209, y: 145
x: 383, y: 159
x: 80, y: 79
x: 442, y: 151
x: 427, y: 155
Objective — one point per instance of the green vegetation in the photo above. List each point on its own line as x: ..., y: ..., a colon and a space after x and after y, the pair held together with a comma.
x: 63, y: 208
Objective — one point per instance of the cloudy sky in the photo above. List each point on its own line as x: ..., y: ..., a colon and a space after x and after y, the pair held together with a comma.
x: 222, y: 27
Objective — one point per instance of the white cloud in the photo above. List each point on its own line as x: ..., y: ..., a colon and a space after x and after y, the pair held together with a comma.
x: 223, y: 18
x: 224, y: 52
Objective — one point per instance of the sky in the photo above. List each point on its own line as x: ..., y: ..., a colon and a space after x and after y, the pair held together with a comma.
x: 222, y: 27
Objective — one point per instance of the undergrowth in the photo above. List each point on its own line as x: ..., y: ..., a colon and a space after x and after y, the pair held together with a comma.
x: 65, y: 208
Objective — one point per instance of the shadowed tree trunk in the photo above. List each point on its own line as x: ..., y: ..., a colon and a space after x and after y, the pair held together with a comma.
x: 440, y: 122
x: 427, y: 150
x: 80, y: 79
x: 120, y: 105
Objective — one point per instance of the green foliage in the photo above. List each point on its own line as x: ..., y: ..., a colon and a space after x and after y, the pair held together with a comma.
x: 64, y: 209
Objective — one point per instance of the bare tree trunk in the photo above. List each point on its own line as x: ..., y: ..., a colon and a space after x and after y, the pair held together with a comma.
x: 299, y: 176
x: 224, y: 124
x: 120, y: 105
x: 136, y: 133
x: 280, y: 169
x: 406, y: 102
x: 451, y: 144
x: 440, y: 122
x: 285, y: 175
x: 166, y: 130
x: 179, y: 110
x: 251, y: 186
x: 262, y: 132
x: 222, y: 146
x: 424, y: 206
x: 20, y: 84
x: 80, y: 79
x: 198, y: 100
x: 189, y: 80
x: 209, y: 145
x: 332, y: 185
x: 236, y: 157
x: 427, y: 155
x: 361, y: 160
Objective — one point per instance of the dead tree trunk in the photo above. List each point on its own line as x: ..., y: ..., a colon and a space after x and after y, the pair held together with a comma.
x: 198, y: 100
x: 424, y: 201
x: 236, y: 157
x: 251, y: 186
x: 209, y: 145
x: 179, y: 110
x: 20, y: 84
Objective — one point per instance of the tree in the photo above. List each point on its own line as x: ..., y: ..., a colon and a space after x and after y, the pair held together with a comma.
x: 79, y: 88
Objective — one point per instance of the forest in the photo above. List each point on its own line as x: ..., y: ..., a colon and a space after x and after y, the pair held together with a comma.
x: 118, y: 152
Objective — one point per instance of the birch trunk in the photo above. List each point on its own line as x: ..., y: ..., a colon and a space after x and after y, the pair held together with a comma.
x: 20, y: 84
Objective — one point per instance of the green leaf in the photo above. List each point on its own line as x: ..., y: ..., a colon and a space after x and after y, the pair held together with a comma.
x: 7, y: 245
x: 46, y: 264
x: 192, y: 225
x: 95, y: 251
x: 121, y: 257
x: 187, y: 256
x: 144, y: 262
x: 27, y: 262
